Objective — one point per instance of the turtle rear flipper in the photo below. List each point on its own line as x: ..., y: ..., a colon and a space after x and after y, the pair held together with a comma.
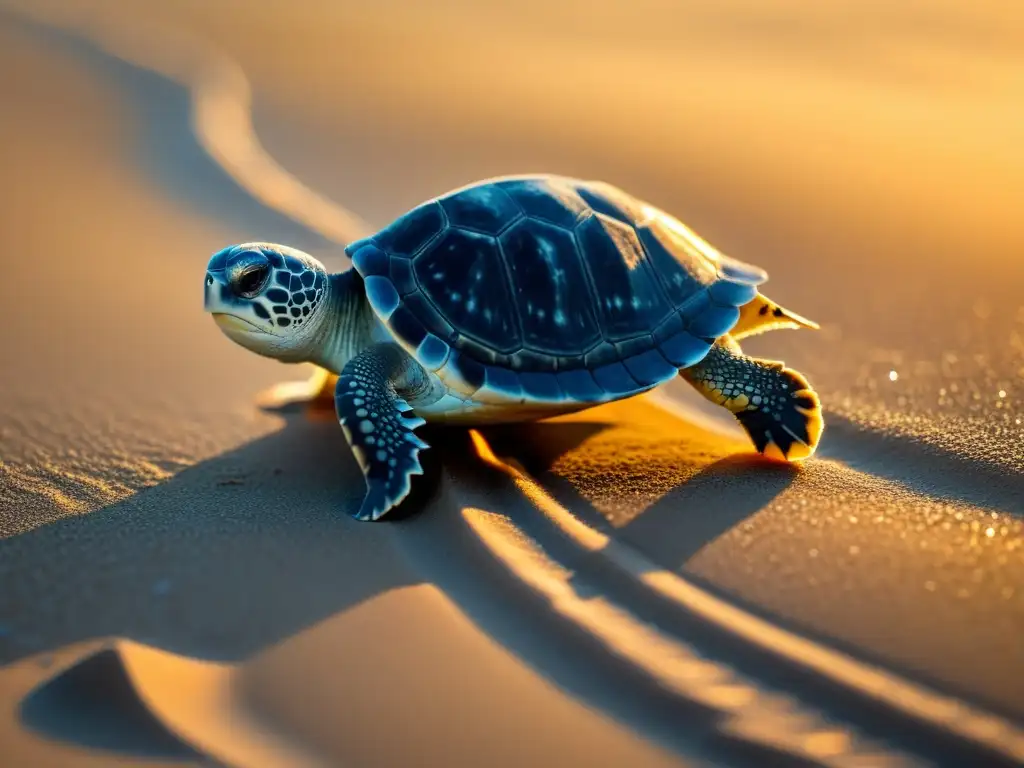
x: 370, y: 399
x: 315, y: 393
x: 776, y: 406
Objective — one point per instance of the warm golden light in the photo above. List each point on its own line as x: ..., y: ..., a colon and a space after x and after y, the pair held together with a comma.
x: 589, y: 577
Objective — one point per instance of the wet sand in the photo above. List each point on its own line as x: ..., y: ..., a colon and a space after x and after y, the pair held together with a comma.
x: 869, y: 165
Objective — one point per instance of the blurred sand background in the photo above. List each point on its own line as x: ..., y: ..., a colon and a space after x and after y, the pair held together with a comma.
x: 868, y: 154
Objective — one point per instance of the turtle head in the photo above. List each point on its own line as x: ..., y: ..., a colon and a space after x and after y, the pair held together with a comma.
x: 268, y: 298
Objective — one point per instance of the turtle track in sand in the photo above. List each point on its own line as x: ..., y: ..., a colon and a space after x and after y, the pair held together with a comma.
x: 221, y: 107
x: 656, y: 627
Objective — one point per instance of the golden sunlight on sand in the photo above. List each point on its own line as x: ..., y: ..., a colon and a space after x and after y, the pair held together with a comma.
x: 180, y: 581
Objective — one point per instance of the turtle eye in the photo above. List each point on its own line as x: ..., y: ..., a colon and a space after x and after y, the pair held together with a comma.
x: 251, y: 281
x: 250, y: 275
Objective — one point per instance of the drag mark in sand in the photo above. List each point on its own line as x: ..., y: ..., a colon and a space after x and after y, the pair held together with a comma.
x: 767, y: 720
x: 221, y: 100
x: 944, y: 715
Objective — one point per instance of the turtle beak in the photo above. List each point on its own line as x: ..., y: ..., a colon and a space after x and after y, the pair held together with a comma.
x: 226, y: 309
x: 231, y: 323
x: 214, y: 289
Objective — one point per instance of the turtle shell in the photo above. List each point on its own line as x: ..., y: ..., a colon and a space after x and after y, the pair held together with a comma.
x: 549, y: 288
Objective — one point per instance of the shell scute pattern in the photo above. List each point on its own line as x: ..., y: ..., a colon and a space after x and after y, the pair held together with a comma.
x: 528, y: 360
x: 579, y: 385
x: 464, y: 277
x: 603, y: 354
x: 614, y: 378
x: 635, y: 346
x: 628, y: 296
x: 608, y: 201
x: 369, y: 259
x: 402, y: 276
x: 684, y: 349
x: 500, y: 385
x: 603, y: 294
x: 408, y: 234
x: 486, y: 209
x: 433, y: 352
x: 381, y: 293
x: 668, y: 328
x: 695, y: 306
x: 545, y: 266
x: 406, y: 325
x: 468, y: 370
x: 732, y: 293
x: 483, y: 353
x: 650, y: 367
x: 541, y: 385
x: 679, y: 277
x: 550, y: 200
x: 714, y: 321
x: 432, y: 320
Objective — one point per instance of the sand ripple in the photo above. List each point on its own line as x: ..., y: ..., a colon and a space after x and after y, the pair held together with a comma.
x: 221, y: 107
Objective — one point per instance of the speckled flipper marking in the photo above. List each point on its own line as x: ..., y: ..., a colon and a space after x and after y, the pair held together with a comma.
x: 370, y: 403
x: 775, y: 404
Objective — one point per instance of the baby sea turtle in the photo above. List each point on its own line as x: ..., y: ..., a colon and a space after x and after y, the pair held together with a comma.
x: 510, y: 300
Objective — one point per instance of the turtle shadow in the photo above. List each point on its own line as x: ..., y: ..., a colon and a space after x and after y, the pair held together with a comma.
x: 506, y: 608
x: 536, y: 446
x: 695, y: 513
x: 679, y: 523
x: 254, y: 546
x: 227, y: 557
x: 719, y: 497
x: 236, y: 554
x: 724, y: 494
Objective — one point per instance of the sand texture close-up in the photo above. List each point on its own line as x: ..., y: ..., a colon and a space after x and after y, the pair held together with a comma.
x: 181, y: 580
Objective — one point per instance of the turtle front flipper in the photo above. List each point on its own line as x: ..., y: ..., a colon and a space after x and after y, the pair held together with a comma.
x: 775, y: 404
x: 372, y: 393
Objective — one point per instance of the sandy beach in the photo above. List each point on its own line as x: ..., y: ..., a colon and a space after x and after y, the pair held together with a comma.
x: 180, y: 580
